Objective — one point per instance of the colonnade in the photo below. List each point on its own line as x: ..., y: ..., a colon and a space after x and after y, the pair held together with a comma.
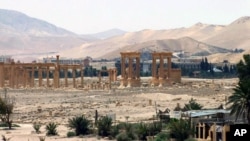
x: 15, y: 75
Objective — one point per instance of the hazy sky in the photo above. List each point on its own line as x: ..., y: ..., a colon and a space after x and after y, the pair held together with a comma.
x: 90, y: 16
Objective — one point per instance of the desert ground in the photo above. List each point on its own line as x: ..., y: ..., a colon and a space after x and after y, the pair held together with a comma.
x: 44, y: 105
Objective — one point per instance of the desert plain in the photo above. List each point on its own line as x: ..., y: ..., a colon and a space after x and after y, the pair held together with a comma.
x: 44, y: 105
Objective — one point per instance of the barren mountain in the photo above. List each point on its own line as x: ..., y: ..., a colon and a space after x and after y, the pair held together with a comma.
x: 107, y: 34
x: 24, y: 36
x: 186, y: 44
x: 100, y: 48
x: 235, y: 35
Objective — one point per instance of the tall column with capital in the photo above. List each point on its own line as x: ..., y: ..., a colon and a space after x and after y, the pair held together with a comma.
x: 123, y: 67
x: 24, y: 78
x: 137, y: 68
x: 2, y: 74
x: 81, y: 76
x: 12, y: 74
x: 40, y: 77
x: 47, y: 75
x: 32, y: 75
x: 169, y: 67
x: 161, y: 74
x: 66, y: 76
x: 56, y: 73
x: 74, y: 77
x: 153, y: 67
x: 130, y: 66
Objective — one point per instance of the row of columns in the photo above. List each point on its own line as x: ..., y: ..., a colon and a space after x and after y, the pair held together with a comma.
x: 23, y: 74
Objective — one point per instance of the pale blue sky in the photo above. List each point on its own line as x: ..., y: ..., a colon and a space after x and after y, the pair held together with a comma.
x: 90, y: 16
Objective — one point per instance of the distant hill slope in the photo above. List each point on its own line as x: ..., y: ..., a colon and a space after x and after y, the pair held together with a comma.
x: 108, y: 34
x: 185, y: 44
x: 27, y: 36
x: 235, y: 35
x: 28, y: 25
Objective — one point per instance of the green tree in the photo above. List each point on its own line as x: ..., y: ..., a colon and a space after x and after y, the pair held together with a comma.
x: 6, y: 109
x: 192, y: 105
x: 226, y: 69
x: 202, y: 64
x: 240, y: 99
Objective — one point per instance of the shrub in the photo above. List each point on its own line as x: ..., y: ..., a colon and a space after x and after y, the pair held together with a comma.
x: 180, y: 129
x: 80, y: 124
x: 114, y: 131
x: 192, y: 105
x: 104, y: 126
x: 142, y: 131
x: 129, y: 130
x: 71, y: 134
x: 37, y: 127
x: 51, y: 129
x: 154, y: 128
x: 148, y: 129
x: 123, y: 137
x: 162, y: 136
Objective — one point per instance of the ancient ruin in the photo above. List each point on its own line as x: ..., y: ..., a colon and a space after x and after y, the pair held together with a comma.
x: 161, y: 75
x: 130, y: 69
x: 16, y: 75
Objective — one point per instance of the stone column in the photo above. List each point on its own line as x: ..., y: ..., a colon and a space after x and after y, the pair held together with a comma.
x: 130, y: 66
x: 47, y: 75
x: 56, y: 73
x: 122, y: 71
x: 24, y: 78
x: 169, y: 67
x: 138, y: 68
x: 115, y: 74
x: 40, y: 79
x: 32, y: 75
x: 66, y: 76
x: 74, y: 77
x: 16, y: 77
x: 161, y: 71
x: 12, y: 74
x: 2, y: 74
x: 82, y: 76
x: 153, y: 67
x: 123, y: 67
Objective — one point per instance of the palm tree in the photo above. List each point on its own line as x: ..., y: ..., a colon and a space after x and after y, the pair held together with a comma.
x: 240, y: 101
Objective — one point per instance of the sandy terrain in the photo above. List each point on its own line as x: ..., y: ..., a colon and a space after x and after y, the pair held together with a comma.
x: 61, y: 104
